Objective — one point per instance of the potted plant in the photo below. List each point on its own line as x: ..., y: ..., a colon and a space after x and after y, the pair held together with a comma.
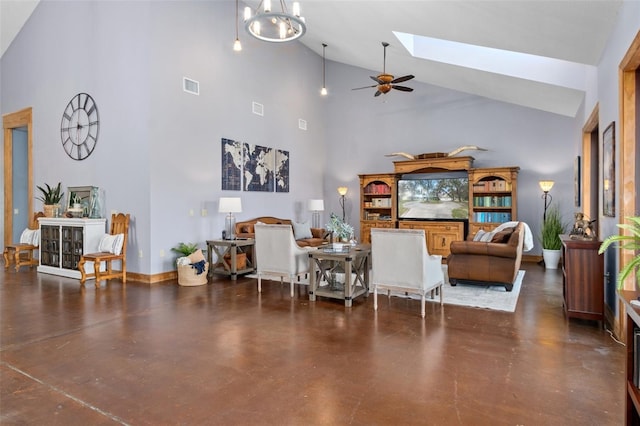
x: 626, y: 242
x: 341, y: 231
x: 552, y: 227
x: 50, y: 198
x: 191, y: 270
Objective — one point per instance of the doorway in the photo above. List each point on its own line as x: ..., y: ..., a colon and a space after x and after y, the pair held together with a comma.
x: 591, y: 167
x: 18, y: 132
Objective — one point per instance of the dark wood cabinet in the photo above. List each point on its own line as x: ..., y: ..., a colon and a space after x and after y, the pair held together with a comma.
x: 582, y: 279
x: 632, y: 324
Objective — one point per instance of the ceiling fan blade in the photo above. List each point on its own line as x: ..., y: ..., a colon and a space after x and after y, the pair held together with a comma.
x: 403, y: 88
x: 365, y: 87
x: 378, y: 93
x: 376, y: 79
x: 404, y: 78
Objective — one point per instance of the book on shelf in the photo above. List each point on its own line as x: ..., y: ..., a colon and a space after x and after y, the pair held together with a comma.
x: 495, y: 185
x: 491, y: 217
x: 377, y: 188
x: 492, y: 201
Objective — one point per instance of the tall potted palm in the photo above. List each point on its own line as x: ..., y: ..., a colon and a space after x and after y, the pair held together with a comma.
x: 552, y: 227
x: 626, y: 242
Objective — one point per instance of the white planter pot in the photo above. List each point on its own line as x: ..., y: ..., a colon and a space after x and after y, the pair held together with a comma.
x: 551, y: 258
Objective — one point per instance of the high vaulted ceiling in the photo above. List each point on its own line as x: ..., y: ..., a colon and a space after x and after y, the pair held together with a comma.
x: 572, y: 31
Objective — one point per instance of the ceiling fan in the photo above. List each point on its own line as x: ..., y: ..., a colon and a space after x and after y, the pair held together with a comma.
x: 386, y: 82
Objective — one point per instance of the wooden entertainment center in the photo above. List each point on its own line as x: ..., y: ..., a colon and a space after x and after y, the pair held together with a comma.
x: 492, y: 200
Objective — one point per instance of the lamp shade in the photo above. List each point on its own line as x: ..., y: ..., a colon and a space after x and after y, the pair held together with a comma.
x: 546, y: 185
x: 230, y: 205
x: 342, y: 190
x: 316, y: 205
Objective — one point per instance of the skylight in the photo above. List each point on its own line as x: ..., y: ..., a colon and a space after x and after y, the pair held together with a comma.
x: 514, y: 64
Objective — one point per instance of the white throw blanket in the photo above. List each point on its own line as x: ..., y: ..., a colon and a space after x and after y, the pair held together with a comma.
x: 528, y: 236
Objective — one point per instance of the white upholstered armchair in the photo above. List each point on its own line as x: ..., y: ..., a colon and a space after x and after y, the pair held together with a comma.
x: 401, y: 263
x: 277, y: 253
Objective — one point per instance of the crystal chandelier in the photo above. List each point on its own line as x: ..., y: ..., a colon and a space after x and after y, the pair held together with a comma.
x: 275, y: 26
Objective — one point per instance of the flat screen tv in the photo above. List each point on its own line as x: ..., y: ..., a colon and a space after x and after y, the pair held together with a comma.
x: 434, y: 196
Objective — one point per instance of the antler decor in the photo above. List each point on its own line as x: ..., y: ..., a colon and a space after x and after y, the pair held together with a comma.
x: 436, y: 154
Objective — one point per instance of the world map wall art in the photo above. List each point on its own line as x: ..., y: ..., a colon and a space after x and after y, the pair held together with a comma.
x: 247, y: 167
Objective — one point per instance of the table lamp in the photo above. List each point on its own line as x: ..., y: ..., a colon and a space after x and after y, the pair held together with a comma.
x: 316, y: 206
x: 230, y: 205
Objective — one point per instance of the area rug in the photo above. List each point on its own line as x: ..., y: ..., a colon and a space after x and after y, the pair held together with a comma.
x: 493, y: 297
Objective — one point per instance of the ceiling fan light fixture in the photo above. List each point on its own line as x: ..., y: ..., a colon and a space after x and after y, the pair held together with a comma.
x: 273, y: 25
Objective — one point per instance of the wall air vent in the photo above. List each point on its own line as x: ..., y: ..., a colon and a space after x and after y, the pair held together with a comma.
x: 190, y: 86
x: 257, y: 108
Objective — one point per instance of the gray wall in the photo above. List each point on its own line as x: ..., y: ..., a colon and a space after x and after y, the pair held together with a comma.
x: 158, y: 155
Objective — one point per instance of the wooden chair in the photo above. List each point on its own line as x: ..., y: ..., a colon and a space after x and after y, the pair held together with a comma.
x: 119, y: 225
x: 23, y: 251
x: 401, y: 263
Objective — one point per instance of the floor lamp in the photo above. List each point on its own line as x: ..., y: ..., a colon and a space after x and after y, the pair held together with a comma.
x: 342, y: 190
x: 230, y: 205
x: 546, y: 186
x: 316, y: 206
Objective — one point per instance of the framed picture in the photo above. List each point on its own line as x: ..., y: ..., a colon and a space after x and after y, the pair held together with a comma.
x: 576, y: 181
x: 609, y: 170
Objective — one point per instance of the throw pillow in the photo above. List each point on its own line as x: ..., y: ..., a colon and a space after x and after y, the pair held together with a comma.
x: 487, y: 237
x: 502, y: 236
x: 301, y: 231
x: 30, y: 236
x: 111, y: 243
x: 196, y: 256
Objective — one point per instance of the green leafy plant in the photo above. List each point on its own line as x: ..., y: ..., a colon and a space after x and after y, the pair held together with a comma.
x: 552, y: 227
x: 185, y: 249
x: 339, y: 228
x: 626, y: 242
x: 50, y: 195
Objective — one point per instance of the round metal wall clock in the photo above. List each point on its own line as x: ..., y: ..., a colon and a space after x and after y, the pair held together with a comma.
x: 79, y: 126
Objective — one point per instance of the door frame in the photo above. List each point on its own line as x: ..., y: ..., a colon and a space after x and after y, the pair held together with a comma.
x: 11, y: 121
x: 628, y: 98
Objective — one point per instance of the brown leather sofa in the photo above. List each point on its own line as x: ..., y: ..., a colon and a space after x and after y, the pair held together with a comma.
x: 497, y: 261
x: 245, y: 230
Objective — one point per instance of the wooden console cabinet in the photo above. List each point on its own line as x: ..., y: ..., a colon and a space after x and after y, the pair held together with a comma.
x: 632, y: 324
x: 439, y: 235
x: 63, y: 241
x: 582, y: 279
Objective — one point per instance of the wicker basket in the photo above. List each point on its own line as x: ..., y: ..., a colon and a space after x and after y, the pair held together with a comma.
x: 188, y: 276
x: 241, y: 260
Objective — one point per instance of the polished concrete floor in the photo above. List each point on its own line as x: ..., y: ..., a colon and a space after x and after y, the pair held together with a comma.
x: 222, y: 354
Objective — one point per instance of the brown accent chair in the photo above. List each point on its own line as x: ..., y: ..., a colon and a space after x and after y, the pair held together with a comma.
x: 119, y: 225
x: 23, y: 252
x: 246, y: 230
x: 480, y: 262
